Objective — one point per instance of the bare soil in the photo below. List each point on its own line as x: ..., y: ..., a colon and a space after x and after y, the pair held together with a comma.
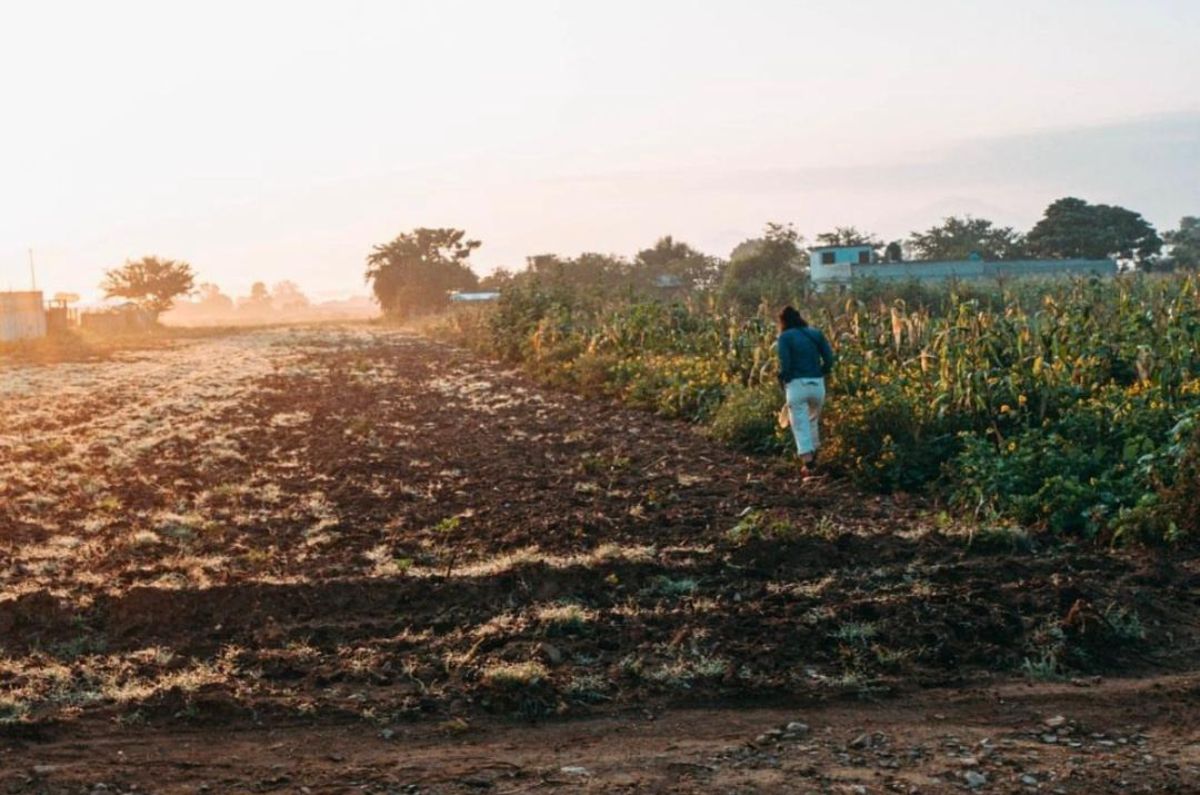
x: 340, y: 558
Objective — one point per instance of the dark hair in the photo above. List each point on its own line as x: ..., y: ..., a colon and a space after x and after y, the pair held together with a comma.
x: 790, y: 317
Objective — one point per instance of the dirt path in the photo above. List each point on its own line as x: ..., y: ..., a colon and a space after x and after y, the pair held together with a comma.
x: 323, y: 534
x: 1119, y: 736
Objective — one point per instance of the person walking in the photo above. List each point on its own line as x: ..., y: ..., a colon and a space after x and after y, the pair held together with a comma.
x: 805, y: 358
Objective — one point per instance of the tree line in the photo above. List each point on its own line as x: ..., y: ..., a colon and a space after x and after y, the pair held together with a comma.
x: 417, y: 271
x: 155, y: 284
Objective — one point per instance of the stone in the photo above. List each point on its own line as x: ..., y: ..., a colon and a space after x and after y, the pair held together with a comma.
x: 1056, y: 721
x: 974, y: 779
x: 796, y: 729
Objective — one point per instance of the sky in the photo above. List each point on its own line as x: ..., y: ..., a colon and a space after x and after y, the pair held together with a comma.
x: 281, y: 140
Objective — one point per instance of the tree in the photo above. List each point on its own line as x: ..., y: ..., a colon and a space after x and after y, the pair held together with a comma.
x: 677, y: 262
x: 958, y: 238
x: 415, y: 273
x: 849, y: 236
x: 1072, y: 228
x: 1185, y: 243
x: 258, y: 302
x: 766, y: 267
x: 210, y: 298
x: 894, y: 252
x: 590, y: 271
x: 497, y: 279
x: 776, y: 253
x: 150, y: 282
x: 287, y: 297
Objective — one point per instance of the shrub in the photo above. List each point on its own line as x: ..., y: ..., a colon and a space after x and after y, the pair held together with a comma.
x: 748, y: 419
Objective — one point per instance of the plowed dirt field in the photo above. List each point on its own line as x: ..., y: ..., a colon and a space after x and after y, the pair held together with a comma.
x: 352, y: 559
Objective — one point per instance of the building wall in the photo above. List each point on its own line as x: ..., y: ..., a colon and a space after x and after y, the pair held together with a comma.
x: 843, y: 258
x: 22, y: 316
x: 963, y: 270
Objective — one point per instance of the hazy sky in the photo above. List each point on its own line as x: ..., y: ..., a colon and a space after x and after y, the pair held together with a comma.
x: 263, y: 140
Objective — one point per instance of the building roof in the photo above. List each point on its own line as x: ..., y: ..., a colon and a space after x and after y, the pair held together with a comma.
x: 832, y: 248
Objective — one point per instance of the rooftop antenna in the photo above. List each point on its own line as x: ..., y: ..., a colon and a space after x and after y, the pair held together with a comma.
x: 32, y: 272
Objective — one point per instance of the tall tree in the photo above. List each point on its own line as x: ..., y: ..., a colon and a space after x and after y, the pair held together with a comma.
x: 286, y: 296
x: 958, y: 238
x: 210, y: 298
x: 1185, y: 243
x: 675, y: 260
x: 849, y: 236
x: 497, y: 279
x: 415, y: 273
x: 151, y: 282
x: 770, y: 266
x: 588, y: 271
x: 1073, y: 228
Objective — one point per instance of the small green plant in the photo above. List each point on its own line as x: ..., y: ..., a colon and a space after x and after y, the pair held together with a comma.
x: 597, y: 464
x: 588, y: 689
x: 133, y: 718
x: 12, y: 710
x: 447, y: 525
x: 631, y: 666
x: 1125, y: 624
x: 758, y: 525
x: 857, y: 633
x: 445, y: 529
x: 674, y: 588
x: 999, y: 540
x: 683, y: 673
x: 1044, y: 668
x: 80, y: 646
x: 564, y: 619
x: 747, y: 420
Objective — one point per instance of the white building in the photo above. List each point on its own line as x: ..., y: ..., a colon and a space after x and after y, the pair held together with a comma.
x: 460, y: 297
x: 22, y: 316
x: 843, y: 265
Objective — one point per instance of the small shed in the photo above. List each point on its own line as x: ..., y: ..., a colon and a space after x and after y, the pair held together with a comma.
x: 460, y: 297
x: 22, y: 316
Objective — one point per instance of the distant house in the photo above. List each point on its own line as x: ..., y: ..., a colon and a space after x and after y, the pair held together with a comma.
x: 460, y: 297
x: 22, y: 316
x: 842, y: 265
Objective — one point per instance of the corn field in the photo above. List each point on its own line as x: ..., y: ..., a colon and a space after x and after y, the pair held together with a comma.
x: 1066, y: 406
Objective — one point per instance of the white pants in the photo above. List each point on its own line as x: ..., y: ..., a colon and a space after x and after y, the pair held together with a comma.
x: 805, y: 396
